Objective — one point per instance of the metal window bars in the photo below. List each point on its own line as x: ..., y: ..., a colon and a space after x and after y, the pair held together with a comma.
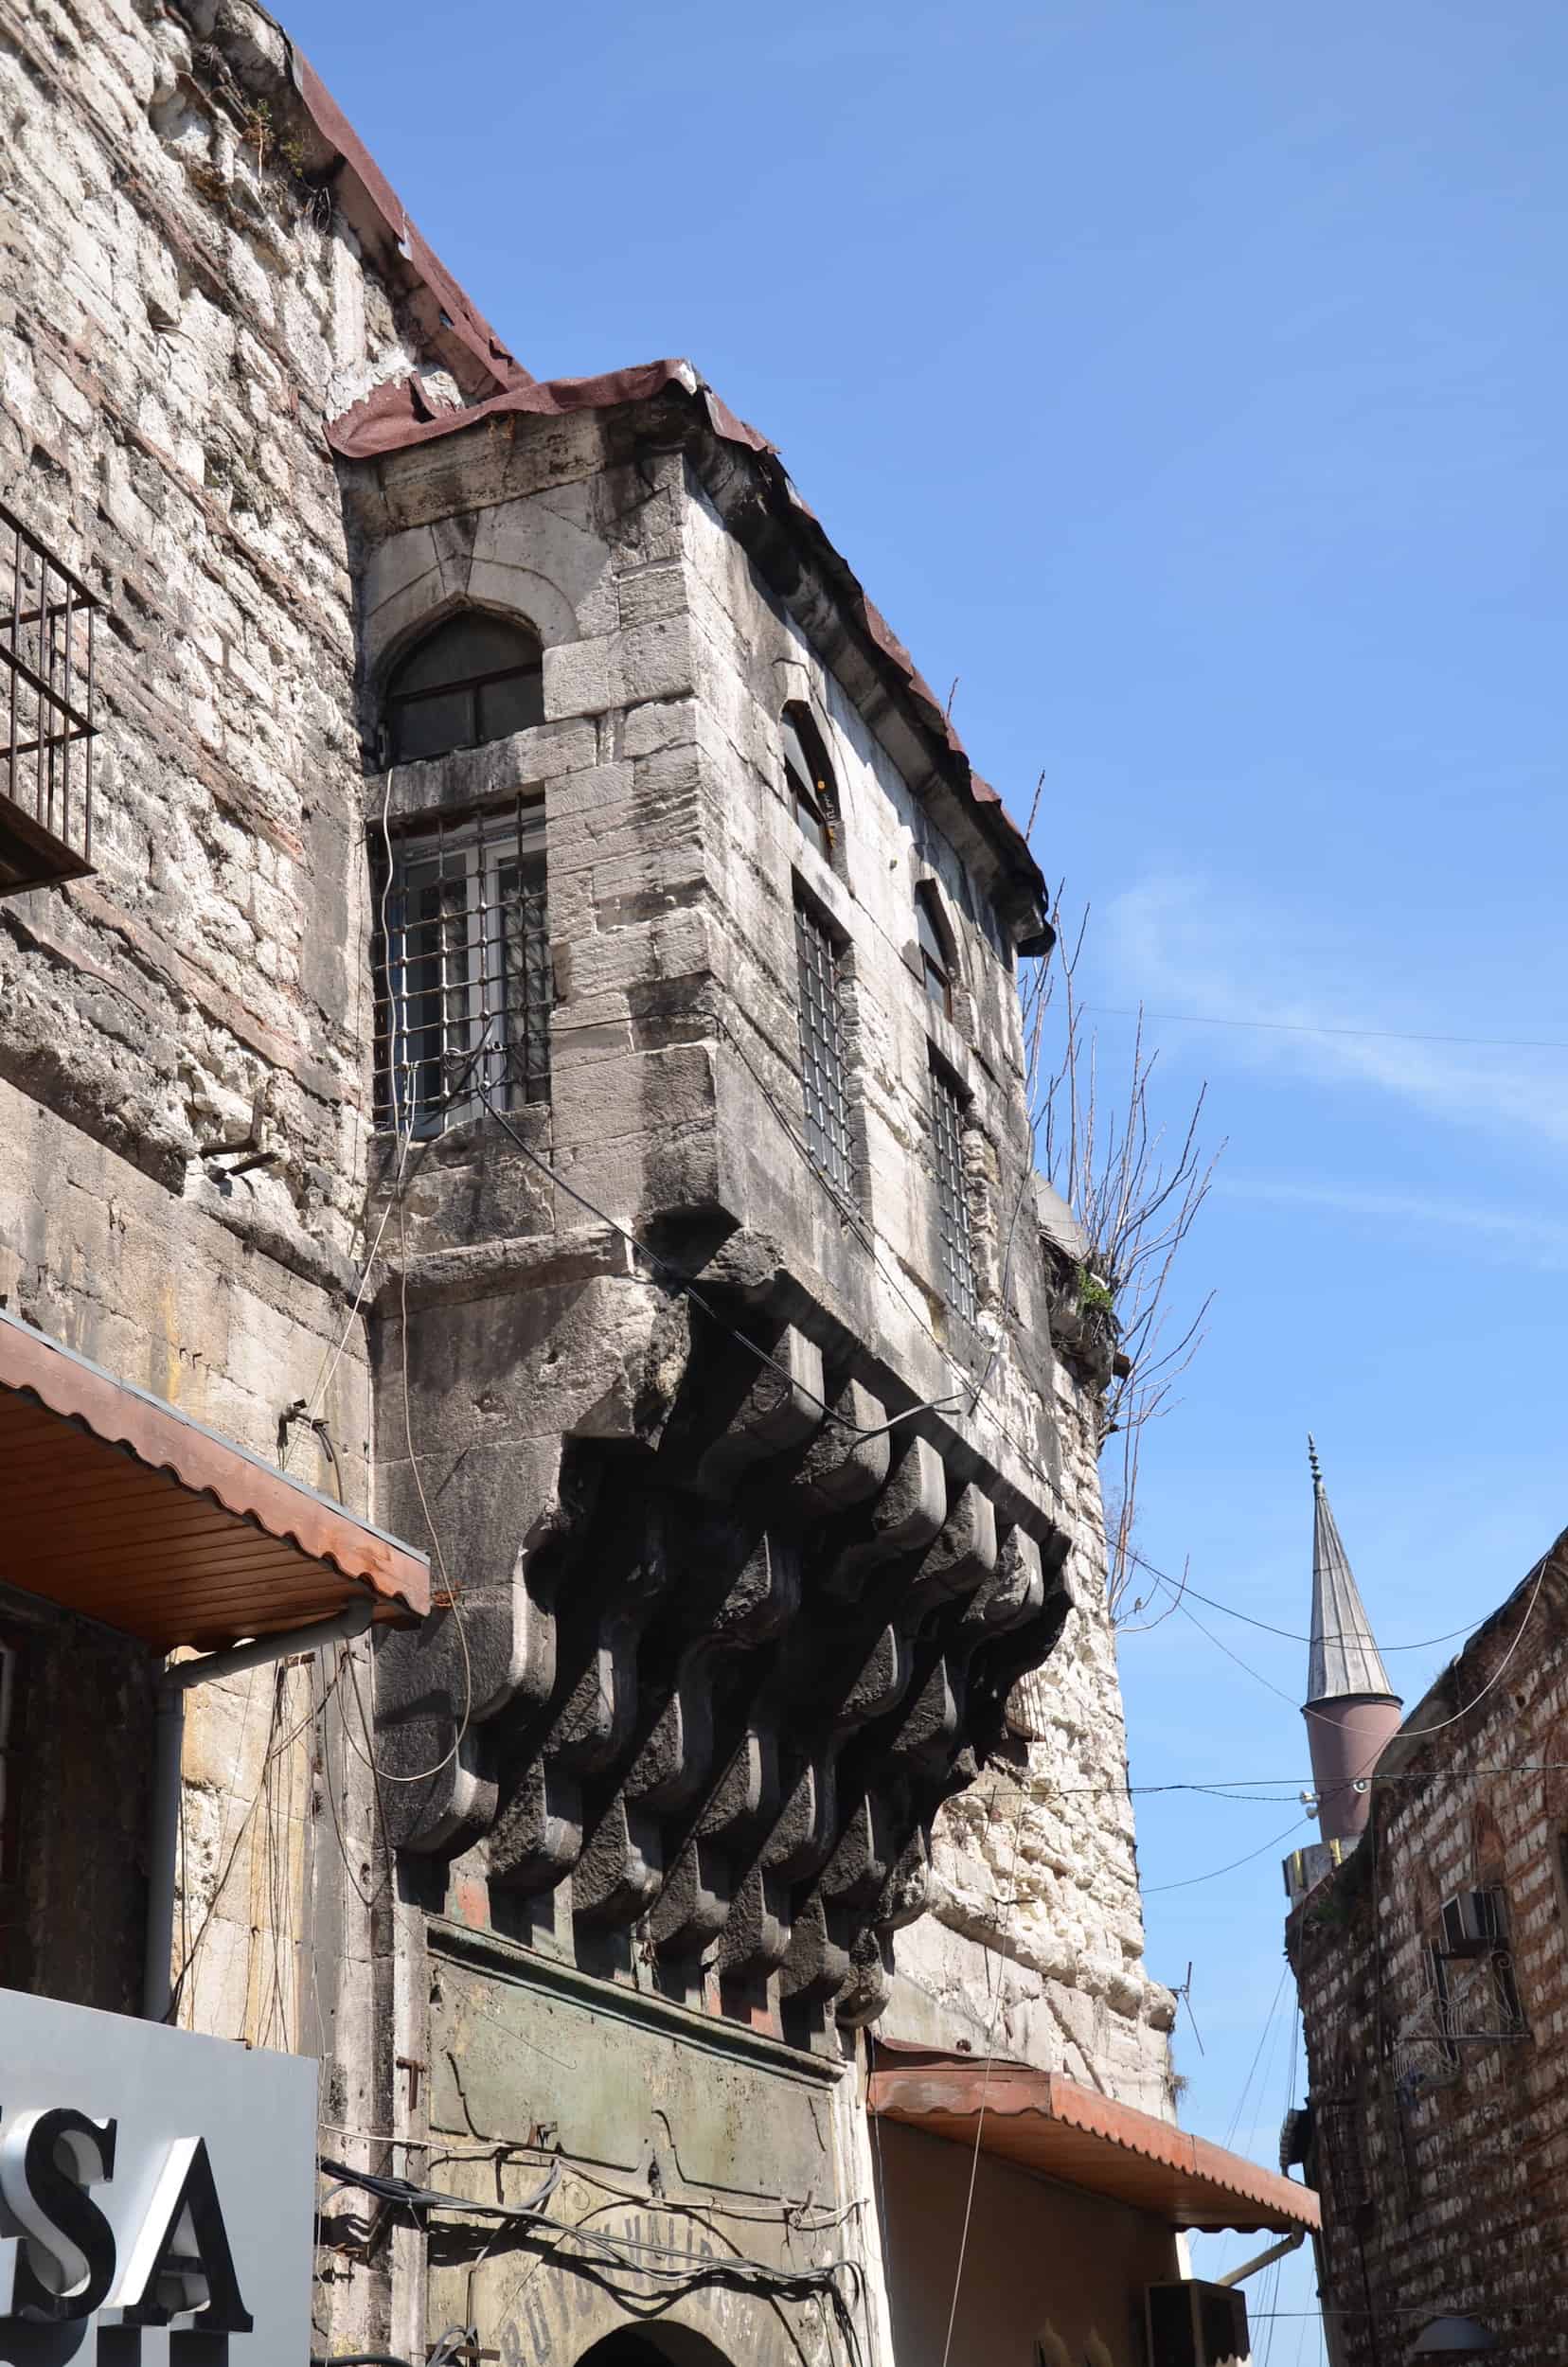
x: 463, y: 976
x: 823, y: 1069
x: 954, y: 1231
x: 1476, y: 1996
x: 46, y: 730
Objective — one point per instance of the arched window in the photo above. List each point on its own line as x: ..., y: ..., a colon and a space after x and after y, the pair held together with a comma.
x: 938, y: 963
x: 809, y: 779
x: 473, y: 678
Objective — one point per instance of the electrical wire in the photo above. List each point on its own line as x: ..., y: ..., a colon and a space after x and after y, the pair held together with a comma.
x: 1292, y: 1635
x: 612, y: 2254
x: 682, y: 1281
x: 1415, y: 1733
x: 1234, y: 2120
x: 405, y: 1136
x: 1236, y: 1787
x: 1189, y: 1880
x: 1405, y: 1733
x: 985, y: 2084
x: 1307, y: 1027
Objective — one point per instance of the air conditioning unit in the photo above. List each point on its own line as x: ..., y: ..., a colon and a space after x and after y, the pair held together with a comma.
x: 1193, y: 2325
x: 1473, y: 1923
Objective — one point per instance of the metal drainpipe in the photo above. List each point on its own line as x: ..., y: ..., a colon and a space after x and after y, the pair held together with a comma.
x: 163, y: 1853
x: 1276, y: 2251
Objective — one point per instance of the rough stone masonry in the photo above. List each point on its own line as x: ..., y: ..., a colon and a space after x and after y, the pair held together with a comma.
x: 747, y: 1533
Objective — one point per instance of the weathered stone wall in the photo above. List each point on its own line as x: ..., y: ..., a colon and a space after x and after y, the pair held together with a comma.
x: 1033, y: 1944
x: 180, y: 309
x: 675, y: 1084
x: 517, y: 1340
x: 1443, y: 2166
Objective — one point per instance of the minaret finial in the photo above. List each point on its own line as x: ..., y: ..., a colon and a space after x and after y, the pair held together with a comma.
x: 1313, y: 1459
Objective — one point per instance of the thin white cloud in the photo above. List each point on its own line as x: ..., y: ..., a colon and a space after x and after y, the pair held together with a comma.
x: 1179, y: 946
x: 1539, y: 1242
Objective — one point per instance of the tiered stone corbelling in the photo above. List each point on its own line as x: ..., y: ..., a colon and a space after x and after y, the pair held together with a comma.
x: 743, y: 1655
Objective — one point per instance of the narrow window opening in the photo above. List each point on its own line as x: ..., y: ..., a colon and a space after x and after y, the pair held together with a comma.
x: 809, y: 779
x: 464, y: 983
x: 475, y: 678
x: 937, y: 964
x: 954, y: 1234
x: 824, y: 1067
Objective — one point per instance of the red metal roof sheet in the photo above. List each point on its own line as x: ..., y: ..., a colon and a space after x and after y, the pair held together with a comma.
x: 1044, y: 2123
x: 121, y: 1507
x: 397, y: 414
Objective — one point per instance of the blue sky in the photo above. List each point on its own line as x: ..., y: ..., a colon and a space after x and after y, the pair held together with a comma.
x: 1187, y: 382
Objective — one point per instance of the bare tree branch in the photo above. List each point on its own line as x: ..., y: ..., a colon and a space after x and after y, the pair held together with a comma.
x: 1135, y: 1190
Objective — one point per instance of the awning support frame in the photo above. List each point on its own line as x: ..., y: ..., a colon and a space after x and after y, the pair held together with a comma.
x: 163, y: 1853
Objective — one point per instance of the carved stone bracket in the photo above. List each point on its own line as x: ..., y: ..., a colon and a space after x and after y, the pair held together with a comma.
x: 747, y: 1648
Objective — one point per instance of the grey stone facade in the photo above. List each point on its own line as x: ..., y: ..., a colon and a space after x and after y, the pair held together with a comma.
x: 747, y: 1518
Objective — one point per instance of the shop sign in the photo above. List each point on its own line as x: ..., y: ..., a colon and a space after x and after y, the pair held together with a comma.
x: 150, y: 2180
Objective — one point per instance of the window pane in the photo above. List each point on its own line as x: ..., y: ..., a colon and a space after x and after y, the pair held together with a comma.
x: 428, y: 727
x: 464, y: 982
x: 811, y: 824
x: 524, y: 990
x: 955, y: 1238
x: 463, y: 647
x: 935, y: 969
x: 824, y: 1073
x: 511, y: 705
x: 810, y: 783
x: 931, y: 941
x: 431, y: 983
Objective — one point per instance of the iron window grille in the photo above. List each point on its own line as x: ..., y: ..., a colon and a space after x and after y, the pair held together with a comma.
x: 464, y: 982
x: 809, y: 779
x: 824, y: 1069
x: 474, y: 678
x: 954, y: 1234
x: 46, y: 730
x: 1476, y: 1998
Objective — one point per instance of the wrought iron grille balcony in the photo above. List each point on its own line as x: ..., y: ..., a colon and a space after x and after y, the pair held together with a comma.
x: 47, y: 727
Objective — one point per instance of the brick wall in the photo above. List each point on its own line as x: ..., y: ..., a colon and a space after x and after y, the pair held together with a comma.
x: 1444, y: 2166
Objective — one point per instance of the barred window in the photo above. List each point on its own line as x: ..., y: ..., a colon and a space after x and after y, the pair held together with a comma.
x: 824, y: 1071
x: 463, y: 971
x: 473, y: 678
x: 952, y: 1208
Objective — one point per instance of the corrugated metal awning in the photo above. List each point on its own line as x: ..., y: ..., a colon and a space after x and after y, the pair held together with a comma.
x: 1041, y: 2122
x: 121, y: 1507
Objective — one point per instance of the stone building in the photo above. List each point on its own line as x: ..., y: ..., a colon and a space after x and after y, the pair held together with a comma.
x: 514, y: 1130
x: 1430, y: 1946
x: 1032, y: 1942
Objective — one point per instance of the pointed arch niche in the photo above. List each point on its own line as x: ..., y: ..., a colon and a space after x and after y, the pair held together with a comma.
x: 471, y: 678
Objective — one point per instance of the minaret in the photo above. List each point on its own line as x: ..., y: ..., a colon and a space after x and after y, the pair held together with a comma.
x: 1352, y: 1710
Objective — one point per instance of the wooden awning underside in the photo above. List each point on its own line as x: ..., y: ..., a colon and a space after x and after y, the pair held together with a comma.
x: 118, y: 1507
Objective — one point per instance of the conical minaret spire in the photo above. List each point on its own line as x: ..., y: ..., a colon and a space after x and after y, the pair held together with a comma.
x: 1343, y: 1658
x: 1352, y: 1710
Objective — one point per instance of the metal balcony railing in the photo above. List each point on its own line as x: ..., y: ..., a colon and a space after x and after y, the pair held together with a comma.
x: 47, y: 727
